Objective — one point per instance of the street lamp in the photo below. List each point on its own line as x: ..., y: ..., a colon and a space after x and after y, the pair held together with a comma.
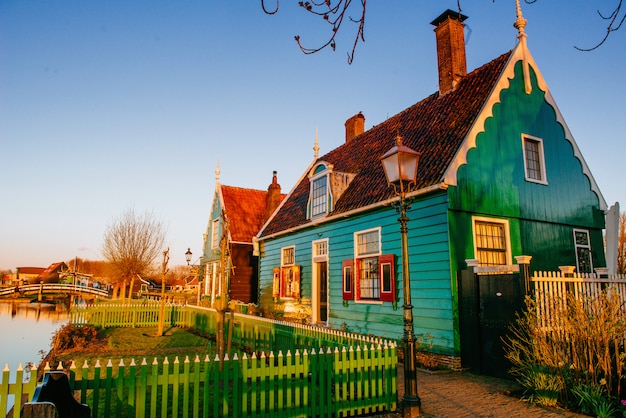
x: 400, y: 165
x: 194, y: 271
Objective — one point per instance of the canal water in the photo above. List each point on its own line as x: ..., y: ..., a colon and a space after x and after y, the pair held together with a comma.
x: 27, y: 330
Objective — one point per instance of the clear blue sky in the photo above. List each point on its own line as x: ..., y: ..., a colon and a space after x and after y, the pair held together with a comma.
x: 108, y: 105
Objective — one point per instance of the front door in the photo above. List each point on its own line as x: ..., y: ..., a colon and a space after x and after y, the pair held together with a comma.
x: 322, y: 280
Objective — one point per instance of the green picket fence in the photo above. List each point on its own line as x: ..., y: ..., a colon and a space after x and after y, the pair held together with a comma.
x: 332, y: 383
x: 316, y: 373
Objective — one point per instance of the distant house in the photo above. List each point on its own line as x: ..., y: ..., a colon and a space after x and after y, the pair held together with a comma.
x: 500, y: 176
x: 35, y: 275
x: 25, y: 275
x: 244, y: 210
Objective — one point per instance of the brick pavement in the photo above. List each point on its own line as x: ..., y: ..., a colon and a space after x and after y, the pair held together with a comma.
x: 466, y: 395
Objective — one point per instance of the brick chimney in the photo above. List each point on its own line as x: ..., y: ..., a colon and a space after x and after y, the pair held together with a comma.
x: 273, y: 197
x: 449, y: 29
x: 355, y: 126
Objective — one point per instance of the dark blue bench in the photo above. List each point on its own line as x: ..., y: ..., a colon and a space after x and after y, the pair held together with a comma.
x: 55, y: 392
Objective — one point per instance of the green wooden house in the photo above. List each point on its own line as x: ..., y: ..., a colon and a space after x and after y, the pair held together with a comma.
x: 499, y: 176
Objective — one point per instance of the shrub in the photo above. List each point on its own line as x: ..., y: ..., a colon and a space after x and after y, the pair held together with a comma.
x: 71, y: 336
x: 571, y: 353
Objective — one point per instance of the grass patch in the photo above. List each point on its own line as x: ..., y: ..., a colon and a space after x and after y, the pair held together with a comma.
x: 136, y: 343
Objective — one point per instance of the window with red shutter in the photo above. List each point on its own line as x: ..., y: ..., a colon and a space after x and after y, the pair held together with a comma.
x: 386, y: 268
x: 348, y: 279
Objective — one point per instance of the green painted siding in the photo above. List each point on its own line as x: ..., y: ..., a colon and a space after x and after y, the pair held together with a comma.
x: 429, y: 267
x: 492, y: 184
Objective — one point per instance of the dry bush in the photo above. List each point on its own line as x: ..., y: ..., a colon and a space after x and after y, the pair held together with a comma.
x: 579, y: 344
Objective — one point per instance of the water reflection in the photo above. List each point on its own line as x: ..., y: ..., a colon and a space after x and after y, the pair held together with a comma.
x: 27, y: 330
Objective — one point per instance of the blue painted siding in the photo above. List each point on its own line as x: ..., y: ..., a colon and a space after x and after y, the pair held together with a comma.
x: 429, y: 268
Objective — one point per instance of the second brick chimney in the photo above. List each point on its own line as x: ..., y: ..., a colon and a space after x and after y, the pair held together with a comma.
x: 449, y: 31
x: 355, y: 126
x: 273, y: 197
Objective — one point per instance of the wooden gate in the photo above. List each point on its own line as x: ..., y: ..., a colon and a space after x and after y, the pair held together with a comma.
x: 488, y: 302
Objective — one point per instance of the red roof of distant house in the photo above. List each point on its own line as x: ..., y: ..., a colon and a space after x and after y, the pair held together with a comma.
x: 245, y: 211
x: 31, y: 270
x: 435, y: 126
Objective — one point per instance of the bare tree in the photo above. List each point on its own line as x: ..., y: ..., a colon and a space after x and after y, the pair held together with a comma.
x: 131, y: 244
x: 621, y: 245
x: 335, y: 13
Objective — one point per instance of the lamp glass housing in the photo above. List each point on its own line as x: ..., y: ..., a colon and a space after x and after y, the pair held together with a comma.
x: 400, y: 164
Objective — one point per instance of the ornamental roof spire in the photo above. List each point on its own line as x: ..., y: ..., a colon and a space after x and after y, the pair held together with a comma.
x: 520, y: 25
x: 520, y: 22
x: 316, y: 147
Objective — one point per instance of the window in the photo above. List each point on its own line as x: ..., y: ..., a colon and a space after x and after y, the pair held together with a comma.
x: 320, y: 249
x: 286, y: 283
x: 583, y: 251
x: 491, y: 244
x: 367, y: 242
x: 373, y: 277
x: 288, y: 256
x: 215, y: 236
x: 534, y: 164
x: 319, y: 194
x: 346, y: 267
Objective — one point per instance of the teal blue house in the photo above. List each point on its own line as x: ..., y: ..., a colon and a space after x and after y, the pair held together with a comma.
x: 499, y: 176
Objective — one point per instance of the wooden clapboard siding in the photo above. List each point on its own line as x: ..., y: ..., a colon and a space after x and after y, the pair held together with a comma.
x: 492, y: 183
x: 429, y: 266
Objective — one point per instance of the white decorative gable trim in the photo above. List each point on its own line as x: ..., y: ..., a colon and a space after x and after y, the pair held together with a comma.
x: 520, y: 53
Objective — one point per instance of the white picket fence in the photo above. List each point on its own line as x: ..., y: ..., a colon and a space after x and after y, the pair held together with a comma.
x: 551, y: 290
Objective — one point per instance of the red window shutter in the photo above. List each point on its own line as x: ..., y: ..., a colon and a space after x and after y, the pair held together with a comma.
x: 357, y: 279
x: 296, y: 282
x: 347, y: 273
x: 387, y: 274
x: 276, y: 283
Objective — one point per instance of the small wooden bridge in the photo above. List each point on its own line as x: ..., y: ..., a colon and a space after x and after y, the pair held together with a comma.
x: 53, y: 288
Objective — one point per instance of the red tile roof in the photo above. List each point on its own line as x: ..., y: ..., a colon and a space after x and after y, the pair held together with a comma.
x: 435, y: 126
x: 245, y: 211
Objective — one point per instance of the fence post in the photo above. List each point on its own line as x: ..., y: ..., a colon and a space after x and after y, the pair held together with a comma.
x: 524, y: 270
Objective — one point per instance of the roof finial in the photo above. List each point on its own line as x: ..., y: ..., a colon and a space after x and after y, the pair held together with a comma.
x: 520, y: 25
x: 520, y: 22
x: 217, y: 171
x: 316, y: 147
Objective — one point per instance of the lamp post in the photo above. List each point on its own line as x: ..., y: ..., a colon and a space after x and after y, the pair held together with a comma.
x: 400, y: 165
x: 194, y: 271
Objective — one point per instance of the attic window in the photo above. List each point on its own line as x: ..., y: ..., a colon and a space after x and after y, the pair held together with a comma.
x: 534, y: 162
x: 319, y: 194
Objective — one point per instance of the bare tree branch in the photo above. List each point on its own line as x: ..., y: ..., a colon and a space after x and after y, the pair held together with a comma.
x: 334, y: 15
x: 615, y: 22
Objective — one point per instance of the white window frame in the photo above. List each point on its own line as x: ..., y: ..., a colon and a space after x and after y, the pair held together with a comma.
x: 286, y: 263
x: 318, y: 257
x: 358, y: 255
x: 507, y: 236
x: 587, y: 246
x: 322, y: 207
x: 541, y: 162
x: 288, y: 271
x: 215, y: 236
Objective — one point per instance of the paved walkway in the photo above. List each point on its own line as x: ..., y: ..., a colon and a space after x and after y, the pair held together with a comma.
x: 465, y: 395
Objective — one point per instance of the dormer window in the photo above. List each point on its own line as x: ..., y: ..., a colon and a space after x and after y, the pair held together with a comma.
x: 319, y: 197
